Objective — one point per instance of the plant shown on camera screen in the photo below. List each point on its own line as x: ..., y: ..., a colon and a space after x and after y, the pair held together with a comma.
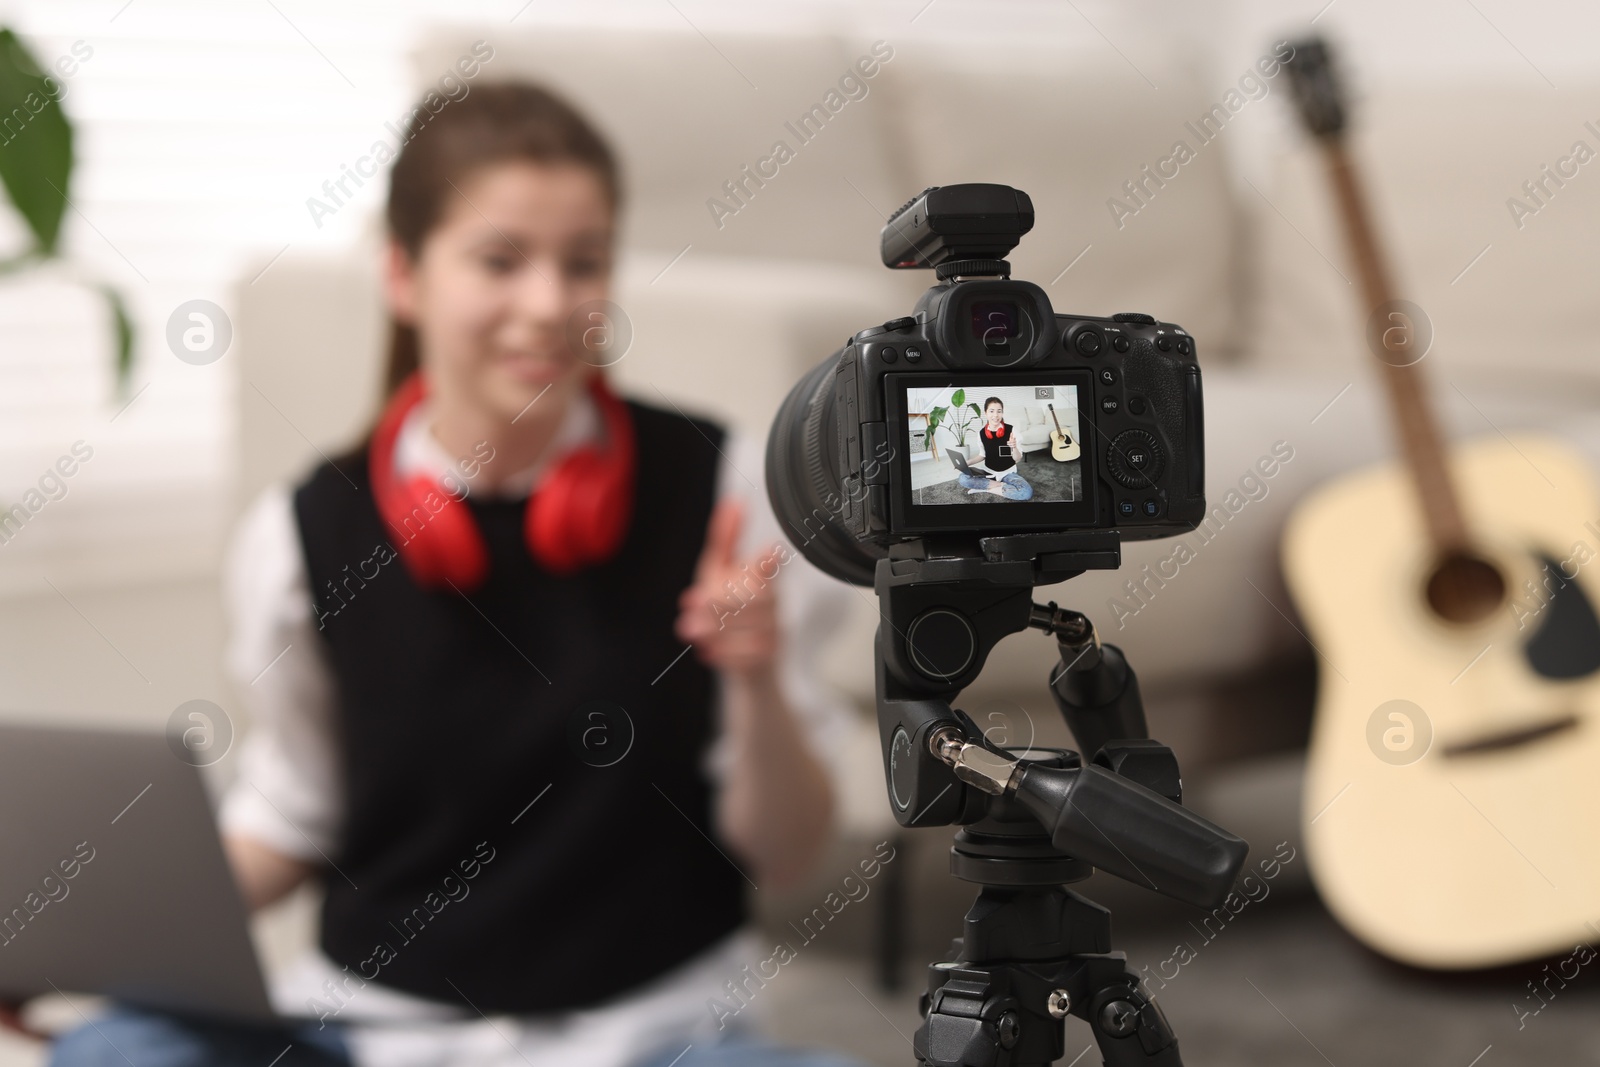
x: 954, y: 419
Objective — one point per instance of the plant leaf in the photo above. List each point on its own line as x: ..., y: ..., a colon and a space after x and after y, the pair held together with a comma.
x: 124, y: 333
x: 35, y: 142
x: 958, y: 397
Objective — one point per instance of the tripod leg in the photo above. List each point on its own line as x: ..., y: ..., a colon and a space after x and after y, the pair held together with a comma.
x: 1130, y: 1028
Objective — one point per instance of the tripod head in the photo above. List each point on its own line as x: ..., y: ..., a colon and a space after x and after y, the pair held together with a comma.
x: 1119, y: 810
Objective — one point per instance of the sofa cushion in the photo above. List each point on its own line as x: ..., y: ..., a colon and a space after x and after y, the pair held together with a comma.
x: 687, y: 113
x: 1088, y: 124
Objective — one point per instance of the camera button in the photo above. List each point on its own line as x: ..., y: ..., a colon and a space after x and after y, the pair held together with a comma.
x: 1120, y: 344
x: 1090, y: 342
x: 887, y: 354
x: 1152, y: 508
x: 1108, y: 376
x: 1126, y: 507
x: 913, y: 354
x: 1108, y: 405
x: 1164, y: 343
x: 1136, y: 405
x: 1184, y: 346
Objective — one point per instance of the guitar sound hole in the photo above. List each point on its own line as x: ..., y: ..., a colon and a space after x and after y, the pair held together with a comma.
x: 1465, y: 588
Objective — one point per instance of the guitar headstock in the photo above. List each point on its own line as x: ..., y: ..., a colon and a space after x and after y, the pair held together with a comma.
x: 1316, y: 89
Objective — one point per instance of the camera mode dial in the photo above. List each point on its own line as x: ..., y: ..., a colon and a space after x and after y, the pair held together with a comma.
x: 1134, y: 459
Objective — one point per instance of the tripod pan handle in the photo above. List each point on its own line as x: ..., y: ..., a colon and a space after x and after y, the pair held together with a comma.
x: 1127, y: 830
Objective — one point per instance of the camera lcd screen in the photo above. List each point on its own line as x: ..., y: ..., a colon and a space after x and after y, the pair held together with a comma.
x: 994, y: 442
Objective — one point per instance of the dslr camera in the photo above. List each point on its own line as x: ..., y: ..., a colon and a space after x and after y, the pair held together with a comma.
x: 986, y: 412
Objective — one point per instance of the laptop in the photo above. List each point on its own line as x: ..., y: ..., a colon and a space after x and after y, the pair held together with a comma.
x: 113, y: 879
x: 977, y: 471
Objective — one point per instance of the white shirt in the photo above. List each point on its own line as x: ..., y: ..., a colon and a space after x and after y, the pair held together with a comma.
x: 289, y: 795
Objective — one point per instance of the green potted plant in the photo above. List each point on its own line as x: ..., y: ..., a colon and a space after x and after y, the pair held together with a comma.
x: 36, y: 170
x: 954, y: 418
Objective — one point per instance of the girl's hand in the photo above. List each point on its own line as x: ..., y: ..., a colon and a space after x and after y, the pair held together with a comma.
x: 730, y: 612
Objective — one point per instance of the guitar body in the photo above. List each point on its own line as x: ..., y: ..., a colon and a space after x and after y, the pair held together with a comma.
x: 1062, y: 447
x: 1484, y: 849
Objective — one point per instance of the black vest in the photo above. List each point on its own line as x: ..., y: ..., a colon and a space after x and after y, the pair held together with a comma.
x: 456, y: 713
x: 993, y: 458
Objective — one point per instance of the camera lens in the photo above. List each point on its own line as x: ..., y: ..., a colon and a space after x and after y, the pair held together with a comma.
x: 803, y: 484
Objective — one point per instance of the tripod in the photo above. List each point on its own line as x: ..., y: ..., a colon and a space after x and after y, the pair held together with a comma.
x: 1032, y: 951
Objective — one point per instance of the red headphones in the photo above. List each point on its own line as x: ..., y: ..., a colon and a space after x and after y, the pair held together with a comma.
x: 575, y: 517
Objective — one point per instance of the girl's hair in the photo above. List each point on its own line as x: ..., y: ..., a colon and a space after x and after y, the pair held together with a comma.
x: 994, y: 400
x: 497, y: 122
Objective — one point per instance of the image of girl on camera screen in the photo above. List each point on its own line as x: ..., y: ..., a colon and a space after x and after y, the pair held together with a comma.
x: 1000, y: 450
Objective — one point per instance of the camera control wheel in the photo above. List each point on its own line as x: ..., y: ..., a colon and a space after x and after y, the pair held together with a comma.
x: 1134, y: 459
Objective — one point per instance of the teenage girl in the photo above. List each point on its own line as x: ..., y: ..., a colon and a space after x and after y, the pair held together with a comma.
x: 535, y: 814
x: 999, y: 439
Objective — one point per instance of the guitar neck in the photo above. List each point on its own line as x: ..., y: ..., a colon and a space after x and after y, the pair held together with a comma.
x: 1421, y: 445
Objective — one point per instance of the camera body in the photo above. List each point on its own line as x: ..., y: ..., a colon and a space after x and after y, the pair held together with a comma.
x: 984, y: 411
x: 1084, y: 423
x: 1130, y: 383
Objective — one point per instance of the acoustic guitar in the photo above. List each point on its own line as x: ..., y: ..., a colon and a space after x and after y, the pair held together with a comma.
x: 1452, y: 792
x: 1062, y: 447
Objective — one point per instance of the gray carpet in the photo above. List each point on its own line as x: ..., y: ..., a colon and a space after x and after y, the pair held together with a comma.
x: 1284, y: 987
x: 1050, y: 480
x: 1281, y: 984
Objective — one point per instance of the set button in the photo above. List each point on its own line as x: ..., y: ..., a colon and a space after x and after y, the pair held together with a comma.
x: 1134, y: 459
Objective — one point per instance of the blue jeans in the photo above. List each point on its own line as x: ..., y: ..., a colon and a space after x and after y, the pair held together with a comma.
x: 147, y: 1038
x: 1012, y: 484
x: 745, y: 1050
